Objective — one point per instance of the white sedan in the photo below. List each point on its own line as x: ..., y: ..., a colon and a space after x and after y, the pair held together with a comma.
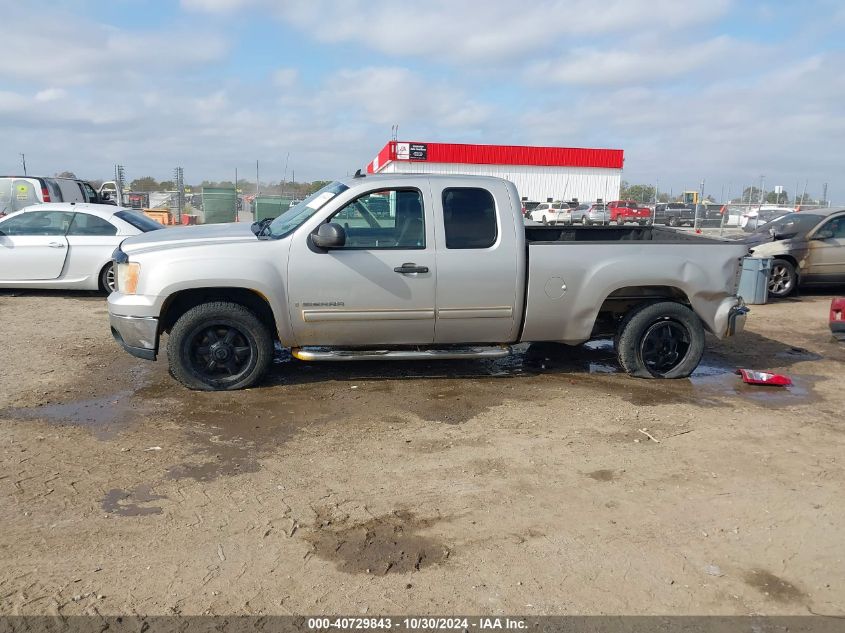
x: 65, y: 245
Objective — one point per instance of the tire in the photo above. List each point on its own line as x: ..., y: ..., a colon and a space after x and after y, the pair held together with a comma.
x: 238, y: 347
x: 107, y: 278
x: 543, y: 220
x: 783, y: 279
x: 673, y: 221
x: 660, y: 340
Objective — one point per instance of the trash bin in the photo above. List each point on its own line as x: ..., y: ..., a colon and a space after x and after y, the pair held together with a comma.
x: 754, y: 280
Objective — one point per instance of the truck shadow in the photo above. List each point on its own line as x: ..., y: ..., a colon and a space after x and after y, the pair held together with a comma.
x: 750, y: 350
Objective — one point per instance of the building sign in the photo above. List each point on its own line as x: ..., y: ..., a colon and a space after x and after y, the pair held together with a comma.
x: 418, y: 151
x: 411, y: 151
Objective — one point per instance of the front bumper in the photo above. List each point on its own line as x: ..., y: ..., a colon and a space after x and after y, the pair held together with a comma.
x: 137, y: 335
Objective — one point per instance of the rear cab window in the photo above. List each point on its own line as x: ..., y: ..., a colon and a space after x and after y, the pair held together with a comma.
x: 469, y: 218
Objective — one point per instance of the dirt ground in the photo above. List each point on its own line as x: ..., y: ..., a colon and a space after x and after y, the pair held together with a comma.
x: 518, y: 486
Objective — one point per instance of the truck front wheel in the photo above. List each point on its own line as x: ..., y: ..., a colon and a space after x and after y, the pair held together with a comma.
x: 660, y: 340
x: 219, y: 346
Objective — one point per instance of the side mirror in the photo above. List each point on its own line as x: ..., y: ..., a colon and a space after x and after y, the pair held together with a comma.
x: 823, y: 235
x: 328, y: 236
x: 105, y: 195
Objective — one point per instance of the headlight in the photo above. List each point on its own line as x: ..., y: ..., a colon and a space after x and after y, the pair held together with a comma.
x: 127, y: 277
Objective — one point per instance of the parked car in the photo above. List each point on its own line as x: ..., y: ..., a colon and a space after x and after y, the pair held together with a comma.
x: 454, y: 273
x: 755, y: 218
x: 589, y: 213
x: 710, y: 213
x: 622, y: 211
x: 808, y: 249
x: 528, y: 206
x: 544, y: 211
x: 837, y: 318
x: 65, y: 245
x: 674, y: 214
x: 17, y: 192
x: 562, y: 215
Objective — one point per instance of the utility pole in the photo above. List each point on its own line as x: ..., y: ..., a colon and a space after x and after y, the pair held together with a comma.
x: 257, y: 182
x: 23, y: 160
x: 700, y: 201
x: 762, y: 185
x: 179, y: 180
x: 824, y: 195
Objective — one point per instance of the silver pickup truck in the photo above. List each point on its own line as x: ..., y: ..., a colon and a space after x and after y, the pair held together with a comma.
x: 417, y: 267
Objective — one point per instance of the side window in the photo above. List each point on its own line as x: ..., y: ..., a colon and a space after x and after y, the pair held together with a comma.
x: 389, y: 218
x: 469, y: 217
x: 837, y: 226
x: 37, y: 223
x: 54, y: 190
x: 90, y: 194
x: 85, y: 224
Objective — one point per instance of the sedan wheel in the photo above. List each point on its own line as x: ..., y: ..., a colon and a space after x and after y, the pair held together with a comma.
x: 107, y: 279
x: 782, y: 278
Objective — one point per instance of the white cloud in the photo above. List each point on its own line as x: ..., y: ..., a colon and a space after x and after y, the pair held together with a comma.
x: 636, y: 63
x: 217, y: 6
x: 47, y: 54
x: 50, y: 94
x: 285, y: 77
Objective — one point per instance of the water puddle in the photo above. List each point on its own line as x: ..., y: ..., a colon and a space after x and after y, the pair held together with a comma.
x: 132, y: 502
x: 105, y: 416
x: 730, y: 384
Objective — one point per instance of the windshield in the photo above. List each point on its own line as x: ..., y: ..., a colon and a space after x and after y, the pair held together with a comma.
x: 792, y: 223
x: 293, y: 218
x: 139, y: 220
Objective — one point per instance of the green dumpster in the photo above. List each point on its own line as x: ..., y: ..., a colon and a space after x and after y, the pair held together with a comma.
x: 219, y: 204
x: 269, y: 207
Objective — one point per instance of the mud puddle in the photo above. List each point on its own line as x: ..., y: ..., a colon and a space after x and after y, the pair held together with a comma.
x: 133, y: 502
x: 389, y: 544
x: 105, y: 417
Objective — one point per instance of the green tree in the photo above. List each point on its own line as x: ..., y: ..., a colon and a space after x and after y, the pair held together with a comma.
x: 66, y: 174
x: 774, y: 198
x: 640, y: 193
x: 145, y: 184
x: 750, y: 195
x: 167, y: 185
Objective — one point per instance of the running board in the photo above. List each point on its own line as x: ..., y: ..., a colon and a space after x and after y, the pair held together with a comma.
x: 336, y: 354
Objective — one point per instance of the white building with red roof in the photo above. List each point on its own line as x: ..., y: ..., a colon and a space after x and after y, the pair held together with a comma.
x: 539, y: 173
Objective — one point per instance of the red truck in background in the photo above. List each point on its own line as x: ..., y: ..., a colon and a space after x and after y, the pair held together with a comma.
x: 622, y: 211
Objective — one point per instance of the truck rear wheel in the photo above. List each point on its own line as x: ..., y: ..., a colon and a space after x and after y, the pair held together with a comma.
x: 660, y: 340
x: 219, y: 346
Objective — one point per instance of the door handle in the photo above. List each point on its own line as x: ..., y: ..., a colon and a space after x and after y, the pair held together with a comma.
x: 410, y: 267
x: 56, y: 245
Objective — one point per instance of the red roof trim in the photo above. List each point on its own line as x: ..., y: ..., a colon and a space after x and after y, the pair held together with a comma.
x: 508, y: 155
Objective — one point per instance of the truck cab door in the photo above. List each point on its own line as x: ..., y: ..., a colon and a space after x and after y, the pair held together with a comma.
x: 480, y: 264
x: 33, y: 245
x: 378, y: 289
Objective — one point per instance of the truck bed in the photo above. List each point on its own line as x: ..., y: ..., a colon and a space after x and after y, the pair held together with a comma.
x: 655, y: 234
x: 569, y: 287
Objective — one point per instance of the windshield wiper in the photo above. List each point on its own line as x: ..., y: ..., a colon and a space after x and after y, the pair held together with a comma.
x: 262, y: 227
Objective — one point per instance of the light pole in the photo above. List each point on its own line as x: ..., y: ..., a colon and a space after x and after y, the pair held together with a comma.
x: 762, y: 185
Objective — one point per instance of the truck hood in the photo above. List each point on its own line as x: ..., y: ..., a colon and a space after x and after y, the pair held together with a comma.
x: 188, y: 236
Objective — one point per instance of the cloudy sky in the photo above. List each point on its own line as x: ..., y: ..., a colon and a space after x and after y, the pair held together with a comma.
x: 718, y: 90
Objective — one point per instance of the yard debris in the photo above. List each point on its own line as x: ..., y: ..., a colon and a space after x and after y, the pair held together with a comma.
x: 152, y: 448
x: 754, y: 377
x: 649, y: 435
